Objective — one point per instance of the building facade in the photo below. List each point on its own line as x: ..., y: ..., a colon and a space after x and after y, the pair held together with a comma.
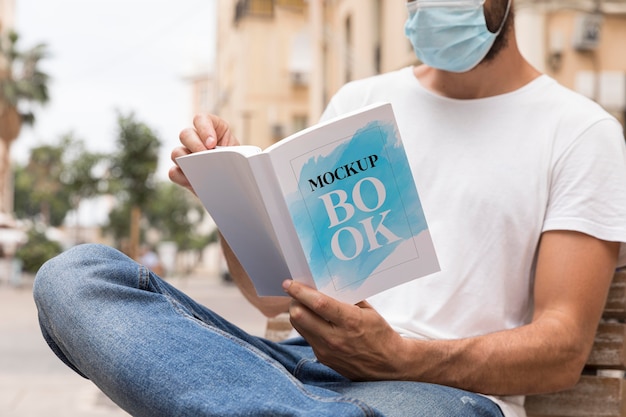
x: 580, y: 43
x: 354, y: 39
x: 262, y: 68
x: 203, y: 95
x: 7, y: 14
x: 280, y: 61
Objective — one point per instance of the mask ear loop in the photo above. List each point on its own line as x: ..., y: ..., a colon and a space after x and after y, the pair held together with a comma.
x: 415, y: 4
x: 506, y: 16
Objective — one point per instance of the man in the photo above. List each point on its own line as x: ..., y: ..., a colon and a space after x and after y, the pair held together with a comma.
x: 524, y: 187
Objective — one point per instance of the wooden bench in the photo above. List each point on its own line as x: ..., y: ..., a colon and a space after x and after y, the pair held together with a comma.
x: 278, y: 328
x: 601, y: 391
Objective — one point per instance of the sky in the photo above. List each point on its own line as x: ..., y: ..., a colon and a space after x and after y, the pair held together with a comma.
x: 115, y: 55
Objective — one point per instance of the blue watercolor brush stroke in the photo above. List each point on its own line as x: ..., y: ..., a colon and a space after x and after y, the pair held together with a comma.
x: 405, y: 219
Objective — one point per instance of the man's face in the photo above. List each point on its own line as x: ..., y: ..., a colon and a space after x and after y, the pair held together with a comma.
x: 495, y: 12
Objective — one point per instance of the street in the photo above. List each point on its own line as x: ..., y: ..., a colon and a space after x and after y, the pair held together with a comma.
x: 33, y: 382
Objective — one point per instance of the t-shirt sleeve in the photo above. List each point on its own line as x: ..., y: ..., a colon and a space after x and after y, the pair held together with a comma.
x: 588, y: 185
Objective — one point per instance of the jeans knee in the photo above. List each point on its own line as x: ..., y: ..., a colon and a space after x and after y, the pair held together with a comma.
x: 63, y: 274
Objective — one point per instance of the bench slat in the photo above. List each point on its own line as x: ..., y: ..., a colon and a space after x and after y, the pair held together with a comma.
x: 616, y: 302
x: 609, y: 350
x: 593, y: 396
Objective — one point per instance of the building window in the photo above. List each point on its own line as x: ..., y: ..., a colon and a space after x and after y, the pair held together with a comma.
x: 297, y: 5
x: 348, y: 58
x: 253, y: 8
x: 204, y: 98
x: 299, y: 122
x: 378, y: 28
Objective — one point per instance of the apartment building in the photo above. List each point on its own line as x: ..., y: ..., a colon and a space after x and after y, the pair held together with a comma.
x: 354, y: 39
x: 202, y: 91
x: 262, y: 68
x: 580, y: 43
x: 280, y: 61
x: 7, y: 13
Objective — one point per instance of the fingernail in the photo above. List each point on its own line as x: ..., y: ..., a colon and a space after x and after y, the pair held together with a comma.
x: 210, y: 142
x: 286, y: 284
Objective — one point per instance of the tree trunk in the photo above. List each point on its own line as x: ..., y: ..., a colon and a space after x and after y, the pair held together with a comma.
x: 135, y: 218
x: 10, y: 124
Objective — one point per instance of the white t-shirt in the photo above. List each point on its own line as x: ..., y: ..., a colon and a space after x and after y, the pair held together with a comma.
x: 492, y: 175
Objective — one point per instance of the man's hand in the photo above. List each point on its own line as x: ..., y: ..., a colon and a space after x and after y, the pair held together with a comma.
x: 208, y: 131
x: 354, y: 340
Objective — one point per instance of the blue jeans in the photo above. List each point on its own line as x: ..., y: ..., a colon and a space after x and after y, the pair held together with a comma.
x: 156, y: 352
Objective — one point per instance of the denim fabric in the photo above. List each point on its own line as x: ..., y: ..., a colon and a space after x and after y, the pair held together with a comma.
x: 156, y: 352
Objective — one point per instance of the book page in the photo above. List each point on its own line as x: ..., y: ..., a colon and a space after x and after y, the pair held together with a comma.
x: 224, y: 182
x: 280, y: 218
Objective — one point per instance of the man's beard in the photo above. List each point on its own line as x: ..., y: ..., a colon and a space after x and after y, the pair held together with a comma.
x: 494, y: 20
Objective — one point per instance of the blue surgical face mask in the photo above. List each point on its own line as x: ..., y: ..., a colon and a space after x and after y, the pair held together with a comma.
x: 450, y: 35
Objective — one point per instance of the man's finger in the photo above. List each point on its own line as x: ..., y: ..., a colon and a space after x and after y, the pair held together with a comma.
x: 207, y: 130
x: 306, y: 321
x: 190, y: 139
x: 321, y: 304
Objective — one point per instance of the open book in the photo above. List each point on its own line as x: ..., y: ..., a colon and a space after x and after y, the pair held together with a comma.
x: 334, y: 206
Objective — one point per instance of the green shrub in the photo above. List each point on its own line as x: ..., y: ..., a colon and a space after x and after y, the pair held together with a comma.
x: 37, y: 250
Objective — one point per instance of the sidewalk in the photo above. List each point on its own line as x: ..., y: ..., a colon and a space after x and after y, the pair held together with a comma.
x: 34, y: 383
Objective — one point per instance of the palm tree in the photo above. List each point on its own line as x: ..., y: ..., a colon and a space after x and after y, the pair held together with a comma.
x: 132, y: 171
x: 22, y: 83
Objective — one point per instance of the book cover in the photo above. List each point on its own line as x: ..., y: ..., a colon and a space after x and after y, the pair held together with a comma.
x: 356, y: 210
x: 335, y: 205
